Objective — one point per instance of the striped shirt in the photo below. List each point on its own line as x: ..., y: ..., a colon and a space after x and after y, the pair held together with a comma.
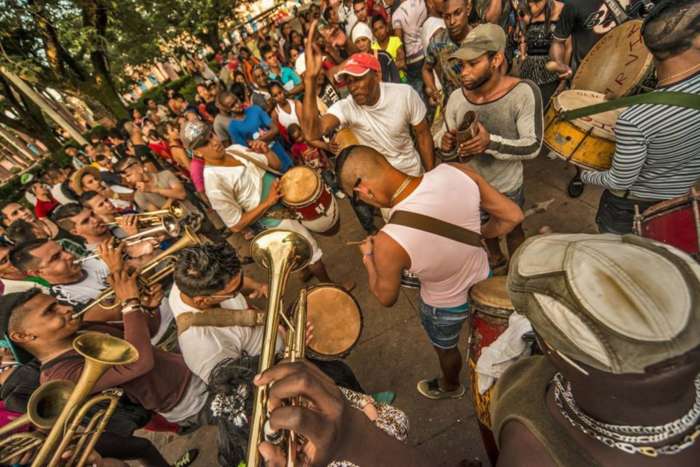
x: 657, y: 154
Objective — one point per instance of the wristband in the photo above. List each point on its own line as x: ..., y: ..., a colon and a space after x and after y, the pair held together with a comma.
x: 126, y: 309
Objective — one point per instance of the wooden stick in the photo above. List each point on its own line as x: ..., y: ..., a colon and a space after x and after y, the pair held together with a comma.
x: 355, y: 242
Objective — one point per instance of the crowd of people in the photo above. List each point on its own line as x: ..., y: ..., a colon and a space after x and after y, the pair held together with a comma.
x: 421, y: 116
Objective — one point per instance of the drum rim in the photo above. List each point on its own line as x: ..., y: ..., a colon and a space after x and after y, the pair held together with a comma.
x: 314, y: 197
x: 344, y: 353
x: 668, y: 205
x: 646, y: 69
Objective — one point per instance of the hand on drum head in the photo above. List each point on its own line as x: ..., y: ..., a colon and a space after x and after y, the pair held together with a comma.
x: 259, y: 146
x: 324, y: 420
x: 274, y: 195
x: 478, y: 144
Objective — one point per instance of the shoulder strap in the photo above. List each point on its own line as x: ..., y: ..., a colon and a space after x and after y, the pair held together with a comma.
x: 678, y: 99
x: 219, y: 317
x: 253, y: 161
x: 437, y: 227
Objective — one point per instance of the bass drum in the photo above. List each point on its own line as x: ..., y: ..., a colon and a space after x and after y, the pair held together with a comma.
x: 618, y: 65
x: 587, y: 142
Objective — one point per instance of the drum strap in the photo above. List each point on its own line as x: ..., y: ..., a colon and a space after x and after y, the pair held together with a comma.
x: 436, y: 227
x: 677, y: 99
x: 254, y: 161
x: 219, y: 317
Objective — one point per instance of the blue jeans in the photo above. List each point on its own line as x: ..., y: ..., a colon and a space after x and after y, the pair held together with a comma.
x: 443, y: 325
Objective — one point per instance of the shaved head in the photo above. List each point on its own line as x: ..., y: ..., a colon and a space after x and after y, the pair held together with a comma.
x: 363, y: 162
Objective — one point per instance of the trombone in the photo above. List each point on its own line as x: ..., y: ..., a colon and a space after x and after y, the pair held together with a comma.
x: 61, y: 406
x: 176, y: 211
x: 149, y: 273
x: 167, y: 225
x: 281, y: 252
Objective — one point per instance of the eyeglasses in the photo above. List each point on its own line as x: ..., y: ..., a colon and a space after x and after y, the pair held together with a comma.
x: 355, y: 194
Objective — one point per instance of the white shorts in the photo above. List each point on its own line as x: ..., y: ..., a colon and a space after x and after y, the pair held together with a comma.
x: 295, y: 226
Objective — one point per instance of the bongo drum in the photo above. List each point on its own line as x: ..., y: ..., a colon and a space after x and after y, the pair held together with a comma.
x: 618, y: 64
x: 337, y: 321
x: 344, y: 138
x: 588, y: 142
x: 304, y: 191
x: 491, y: 308
x: 675, y: 222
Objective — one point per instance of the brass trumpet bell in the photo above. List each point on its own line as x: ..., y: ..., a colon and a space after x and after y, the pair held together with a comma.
x: 46, y: 403
x: 276, y: 244
x: 105, y: 349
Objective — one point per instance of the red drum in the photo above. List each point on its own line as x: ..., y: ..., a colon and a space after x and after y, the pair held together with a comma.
x: 675, y: 222
x: 304, y: 191
x: 491, y: 308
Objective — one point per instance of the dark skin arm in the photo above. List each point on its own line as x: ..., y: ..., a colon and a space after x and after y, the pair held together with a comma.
x: 429, y: 80
x: 424, y: 142
x: 520, y: 448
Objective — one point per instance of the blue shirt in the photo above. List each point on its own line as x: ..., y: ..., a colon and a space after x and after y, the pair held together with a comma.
x: 256, y: 119
x: 287, y: 75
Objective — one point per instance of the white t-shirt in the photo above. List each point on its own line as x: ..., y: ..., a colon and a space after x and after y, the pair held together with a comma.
x: 203, y: 347
x: 410, y: 16
x: 235, y: 190
x: 385, y: 126
x: 81, y: 293
x: 14, y: 286
x: 430, y: 27
x: 58, y: 195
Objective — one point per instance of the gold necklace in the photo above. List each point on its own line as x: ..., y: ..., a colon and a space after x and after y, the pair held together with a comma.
x: 400, y: 189
x: 671, y: 78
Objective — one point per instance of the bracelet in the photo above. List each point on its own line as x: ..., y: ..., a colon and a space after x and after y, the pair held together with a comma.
x: 131, y: 307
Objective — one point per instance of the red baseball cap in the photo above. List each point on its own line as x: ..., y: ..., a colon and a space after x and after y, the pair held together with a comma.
x: 358, y: 65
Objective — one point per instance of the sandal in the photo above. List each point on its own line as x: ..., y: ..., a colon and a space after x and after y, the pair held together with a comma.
x: 431, y: 389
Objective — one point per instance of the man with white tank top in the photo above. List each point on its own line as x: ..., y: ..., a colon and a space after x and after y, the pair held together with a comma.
x: 447, y: 268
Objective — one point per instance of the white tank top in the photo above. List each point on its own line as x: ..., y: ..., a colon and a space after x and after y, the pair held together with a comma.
x: 287, y: 118
x: 446, y: 268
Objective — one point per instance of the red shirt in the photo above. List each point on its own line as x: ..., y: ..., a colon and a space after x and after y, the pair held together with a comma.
x: 44, y: 208
x: 309, y: 156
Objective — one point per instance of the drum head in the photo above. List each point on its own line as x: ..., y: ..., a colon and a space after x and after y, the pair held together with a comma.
x: 602, y: 124
x: 336, y: 319
x: 617, y: 63
x: 344, y: 138
x: 492, y: 293
x: 299, y: 185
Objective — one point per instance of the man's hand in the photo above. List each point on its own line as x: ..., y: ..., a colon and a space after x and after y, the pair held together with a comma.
x: 124, y: 284
x: 259, y: 291
x: 153, y: 296
x: 449, y: 141
x: 142, y: 248
x: 478, y: 144
x: 274, y: 195
x: 367, y: 247
x: 562, y: 70
x: 312, y: 54
x: 113, y: 256
x: 129, y: 224
x: 258, y: 146
x: 433, y: 95
x: 325, y: 421
x: 145, y: 187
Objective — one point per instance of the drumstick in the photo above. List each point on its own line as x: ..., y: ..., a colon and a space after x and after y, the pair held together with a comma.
x: 355, y: 242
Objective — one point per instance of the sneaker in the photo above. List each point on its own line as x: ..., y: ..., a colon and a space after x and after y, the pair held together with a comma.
x: 431, y: 389
x: 384, y: 397
x: 187, y: 458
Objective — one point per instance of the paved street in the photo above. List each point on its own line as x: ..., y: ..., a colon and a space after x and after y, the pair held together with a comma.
x: 394, y: 353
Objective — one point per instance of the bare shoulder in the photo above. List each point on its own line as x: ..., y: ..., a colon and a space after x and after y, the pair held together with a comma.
x: 520, y: 448
x: 388, y: 249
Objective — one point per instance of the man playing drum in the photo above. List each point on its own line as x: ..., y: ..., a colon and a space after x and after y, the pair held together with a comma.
x: 451, y: 194
x: 657, y: 154
x: 243, y: 192
x: 618, y: 321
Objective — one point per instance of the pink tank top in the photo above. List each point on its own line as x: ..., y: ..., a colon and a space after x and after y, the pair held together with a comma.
x: 446, y: 268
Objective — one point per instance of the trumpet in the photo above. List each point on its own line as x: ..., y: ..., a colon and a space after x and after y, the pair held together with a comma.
x: 149, y: 273
x: 167, y: 225
x: 175, y: 211
x: 281, y: 252
x: 60, y: 406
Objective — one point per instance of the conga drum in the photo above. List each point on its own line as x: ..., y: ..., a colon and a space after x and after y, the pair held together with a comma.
x: 491, y: 307
x: 675, y: 222
x: 309, y: 197
x: 337, y: 321
x: 588, y: 142
x: 618, y: 64
x: 344, y: 138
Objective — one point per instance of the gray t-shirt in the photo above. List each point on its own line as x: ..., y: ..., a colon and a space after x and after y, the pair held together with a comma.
x: 221, y: 128
x: 515, y: 123
x: 163, y: 179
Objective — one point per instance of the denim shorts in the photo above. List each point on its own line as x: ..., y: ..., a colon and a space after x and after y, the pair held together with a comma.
x: 443, y: 325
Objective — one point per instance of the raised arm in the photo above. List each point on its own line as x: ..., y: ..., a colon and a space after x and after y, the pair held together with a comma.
x: 313, y: 124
